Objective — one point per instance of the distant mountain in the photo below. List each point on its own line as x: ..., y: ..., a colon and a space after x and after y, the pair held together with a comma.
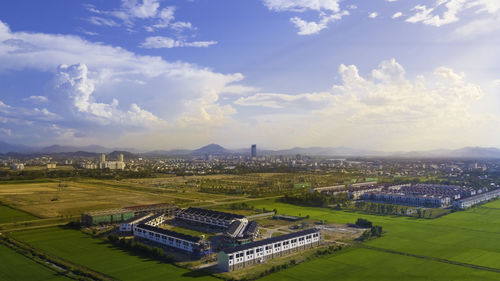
x: 466, y: 152
x: 7, y: 147
x: 213, y: 149
x: 326, y: 151
x: 62, y: 148
x: 173, y: 152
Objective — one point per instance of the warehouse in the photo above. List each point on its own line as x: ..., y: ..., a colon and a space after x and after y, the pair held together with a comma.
x: 209, y: 217
x: 258, y: 252
x: 162, y: 208
x: 106, y: 216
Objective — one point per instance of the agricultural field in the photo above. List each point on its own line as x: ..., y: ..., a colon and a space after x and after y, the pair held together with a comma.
x: 52, y: 199
x: 364, y: 264
x: 79, y: 248
x: 17, y: 267
x: 10, y: 215
x: 466, y: 236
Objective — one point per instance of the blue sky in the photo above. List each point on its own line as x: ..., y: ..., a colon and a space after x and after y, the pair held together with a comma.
x: 380, y: 74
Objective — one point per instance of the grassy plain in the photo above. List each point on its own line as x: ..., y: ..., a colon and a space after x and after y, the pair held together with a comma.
x: 17, y: 267
x: 466, y: 236
x: 8, y: 215
x: 79, y: 248
x: 365, y: 264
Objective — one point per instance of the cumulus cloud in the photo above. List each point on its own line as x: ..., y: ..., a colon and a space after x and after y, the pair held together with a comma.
x: 385, y: 106
x: 100, y: 88
x: 328, y: 11
x: 397, y: 15
x: 158, y: 42
x: 373, y: 15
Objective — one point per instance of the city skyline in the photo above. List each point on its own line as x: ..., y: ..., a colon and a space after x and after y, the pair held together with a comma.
x: 384, y: 75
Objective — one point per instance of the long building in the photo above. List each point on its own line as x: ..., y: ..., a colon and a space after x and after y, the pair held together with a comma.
x: 476, y: 199
x: 209, y: 217
x: 129, y: 225
x: 184, y: 242
x: 126, y: 213
x: 258, y: 252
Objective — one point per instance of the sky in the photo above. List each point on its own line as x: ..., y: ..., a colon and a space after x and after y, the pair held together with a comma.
x: 161, y: 74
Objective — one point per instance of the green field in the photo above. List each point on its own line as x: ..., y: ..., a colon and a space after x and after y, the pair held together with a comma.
x: 79, y: 248
x: 8, y: 214
x: 14, y: 266
x: 466, y: 236
x: 364, y: 264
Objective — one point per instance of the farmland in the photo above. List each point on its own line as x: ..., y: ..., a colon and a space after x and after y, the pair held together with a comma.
x: 79, y: 248
x: 8, y: 215
x: 17, y: 267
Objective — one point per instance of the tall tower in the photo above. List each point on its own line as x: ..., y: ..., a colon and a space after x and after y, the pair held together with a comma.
x: 120, y: 157
x: 254, y: 150
x: 103, y: 157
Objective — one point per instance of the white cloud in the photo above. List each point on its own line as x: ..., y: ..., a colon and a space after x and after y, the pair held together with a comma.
x: 147, y: 12
x: 397, y: 15
x: 385, y: 107
x: 155, y: 42
x: 90, y: 78
x: 328, y: 11
x: 36, y: 99
x: 373, y: 15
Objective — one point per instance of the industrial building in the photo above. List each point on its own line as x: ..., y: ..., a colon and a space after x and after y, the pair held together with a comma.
x: 209, y: 218
x: 260, y: 251
x: 476, y: 199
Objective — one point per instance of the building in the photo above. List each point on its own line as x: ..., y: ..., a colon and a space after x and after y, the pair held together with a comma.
x: 129, y: 225
x: 241, y: 232
x: 51, y: 165
x: 254, y: 150
x: 126, y: 213
x: 17, y: 167
x: 476, y: 199
x: 209, y: 218
x: 426, y: 200
x: 260, y: 251
x: 194, y: 245
x: 112, y: 165
x: 106, y: 216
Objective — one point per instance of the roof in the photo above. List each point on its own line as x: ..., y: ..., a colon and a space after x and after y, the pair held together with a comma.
x: 108, y: 212
x: 251, y: 228
x: 136, y: 218
x: 234, y: 228
x: 269, y: 241
x: 170, y: 233
x: 211, y: 213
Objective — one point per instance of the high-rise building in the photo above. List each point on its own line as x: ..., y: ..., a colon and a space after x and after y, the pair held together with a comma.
x: 254, y: 150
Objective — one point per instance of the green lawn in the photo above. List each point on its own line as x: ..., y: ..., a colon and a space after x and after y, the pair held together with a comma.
x: 14, y: 266
x: 364, y: 264
x: 79, y: 248
x: 7, y: 214
x: 466, y: 236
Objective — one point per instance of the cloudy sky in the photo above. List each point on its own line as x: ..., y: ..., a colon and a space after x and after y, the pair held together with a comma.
x: 158, y: 74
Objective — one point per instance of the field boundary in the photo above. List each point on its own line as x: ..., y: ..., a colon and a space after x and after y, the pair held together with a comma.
x: 469, y: 265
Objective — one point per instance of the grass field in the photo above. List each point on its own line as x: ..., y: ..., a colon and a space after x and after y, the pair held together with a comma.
x: 79, y: 248
x: 8, y: 215
x: 467, y: 236
x: 364, y: 264
x: 17, y: 267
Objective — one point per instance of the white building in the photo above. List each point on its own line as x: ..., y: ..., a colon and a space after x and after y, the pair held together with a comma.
x: 209, y: 217
x: 473, y: 200
x: 129, y: 225
x: 17, y: 166
x: 258, y: 252
x: 170, y: 238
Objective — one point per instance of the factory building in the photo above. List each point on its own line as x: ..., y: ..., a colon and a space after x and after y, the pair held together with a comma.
x: 209, y: 218
x: 260, y: 251
x: 476, y: 199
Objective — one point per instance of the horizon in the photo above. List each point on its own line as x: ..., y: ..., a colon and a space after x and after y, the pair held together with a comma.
x: 384, y: 75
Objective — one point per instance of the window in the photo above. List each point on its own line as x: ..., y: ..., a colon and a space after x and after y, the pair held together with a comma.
x: 230, y: 257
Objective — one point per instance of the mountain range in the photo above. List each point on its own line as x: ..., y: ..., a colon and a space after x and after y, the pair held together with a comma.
x: 215, y: 149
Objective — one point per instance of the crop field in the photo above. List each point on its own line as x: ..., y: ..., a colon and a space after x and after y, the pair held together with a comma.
x: 17, y: 267
x: 364, y: 264
x: 79, y: 248
x: 466, y: 236
x: 8, y: 215
x: 49, y: 200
